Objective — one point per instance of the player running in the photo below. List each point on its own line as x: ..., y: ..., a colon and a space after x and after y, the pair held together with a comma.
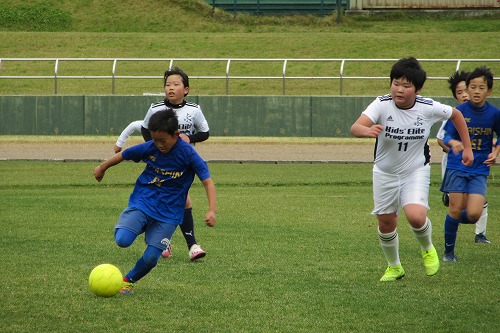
x: 193, y: 128
x: 401, y: 122
x: 467, y: 186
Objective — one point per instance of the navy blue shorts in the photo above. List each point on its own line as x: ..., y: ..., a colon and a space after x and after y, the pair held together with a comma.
x: 157, y: 233
x: 456, y: 181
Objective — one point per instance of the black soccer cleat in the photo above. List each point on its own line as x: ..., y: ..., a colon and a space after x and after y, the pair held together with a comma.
x: 481, y: 238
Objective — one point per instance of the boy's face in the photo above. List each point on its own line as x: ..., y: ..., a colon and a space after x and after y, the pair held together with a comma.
x: 164, y: 141
x: 478, y: 91
x: 403, y: 93
x: 175, y: 90
x: 461, y: 92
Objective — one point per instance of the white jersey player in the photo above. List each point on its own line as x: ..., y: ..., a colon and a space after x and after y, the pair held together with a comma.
x: 192, y: 122
x: 193, y: 127
x: 401, y: 123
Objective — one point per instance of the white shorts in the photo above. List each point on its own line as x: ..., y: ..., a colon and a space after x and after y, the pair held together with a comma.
x: 392, y: 192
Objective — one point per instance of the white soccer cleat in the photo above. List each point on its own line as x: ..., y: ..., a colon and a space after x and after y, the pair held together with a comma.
x: 196, y: 252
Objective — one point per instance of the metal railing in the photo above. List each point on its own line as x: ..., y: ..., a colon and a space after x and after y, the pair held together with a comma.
x: 227, y: 75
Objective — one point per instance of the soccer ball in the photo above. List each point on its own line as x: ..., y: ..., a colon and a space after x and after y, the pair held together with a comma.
x: 105, y: 280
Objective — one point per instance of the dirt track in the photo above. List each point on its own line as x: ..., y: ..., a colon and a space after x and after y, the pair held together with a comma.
x: 211, y: 150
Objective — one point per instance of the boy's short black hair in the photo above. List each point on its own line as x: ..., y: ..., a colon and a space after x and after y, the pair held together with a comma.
x: 176, y: 71
x: 164, y: 121
x: 409, y: 69
x: 455, y: 79
x: 484, y: 72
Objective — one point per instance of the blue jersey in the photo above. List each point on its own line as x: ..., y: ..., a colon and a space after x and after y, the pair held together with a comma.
x: 482, y: 123
x: 162, y: 188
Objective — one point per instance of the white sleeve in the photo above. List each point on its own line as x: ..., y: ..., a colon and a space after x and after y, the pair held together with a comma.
x: 148, y: 115
x: 441, y: 132
x: 373, y: 111
x: 200, y: 123
x: 131, y: 128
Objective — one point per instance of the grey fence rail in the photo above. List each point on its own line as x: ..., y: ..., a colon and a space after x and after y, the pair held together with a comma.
x: 227, y: 75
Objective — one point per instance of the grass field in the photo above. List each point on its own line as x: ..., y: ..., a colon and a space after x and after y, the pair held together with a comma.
x: 295, y: 250
x: 126, y: 29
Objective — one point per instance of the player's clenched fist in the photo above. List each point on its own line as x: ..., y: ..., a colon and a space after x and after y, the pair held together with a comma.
x: 98, y: 173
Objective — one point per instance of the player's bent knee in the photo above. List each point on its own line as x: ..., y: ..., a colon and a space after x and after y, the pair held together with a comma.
x: 124, y: 238
x: 474, y: 218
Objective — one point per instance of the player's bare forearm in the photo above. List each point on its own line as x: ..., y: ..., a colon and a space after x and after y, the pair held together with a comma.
x: 365, y: 128
x: 442, y: 145
x: 100, y: 170
x: 456, y: 146
x: 458, y: 120
x: 492, y: 157
x: 210, y: 216
x: 117, y: 148
x: 184, y: 137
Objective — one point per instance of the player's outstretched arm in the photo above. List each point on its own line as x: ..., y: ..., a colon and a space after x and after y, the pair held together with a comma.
x: 100, y: 170
x: 209, y: 186
x: 134, y: 126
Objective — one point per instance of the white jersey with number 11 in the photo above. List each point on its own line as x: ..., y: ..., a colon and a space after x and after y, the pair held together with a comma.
x: 402, y: 145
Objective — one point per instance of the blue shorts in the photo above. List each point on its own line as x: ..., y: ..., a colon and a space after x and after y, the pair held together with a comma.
x: 157, y: 233
x: 456, y: 181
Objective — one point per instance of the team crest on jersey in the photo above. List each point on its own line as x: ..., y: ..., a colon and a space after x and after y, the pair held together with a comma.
x: 188, y: 118
x: 419, y: 121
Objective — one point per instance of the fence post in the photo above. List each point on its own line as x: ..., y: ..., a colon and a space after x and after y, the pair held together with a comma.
x: 284, y: 75
x: 341, y: 74
x: 227, y: 75
x: 339, y: 6
x: 55, y: 76
x: 113, y: 77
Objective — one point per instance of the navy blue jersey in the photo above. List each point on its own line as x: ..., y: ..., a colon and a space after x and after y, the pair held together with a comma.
x: 162, y: 188
x: 482, y: 124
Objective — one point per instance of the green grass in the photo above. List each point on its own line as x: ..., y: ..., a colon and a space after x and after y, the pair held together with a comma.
x: 124, y: 29
x: 295, y: 250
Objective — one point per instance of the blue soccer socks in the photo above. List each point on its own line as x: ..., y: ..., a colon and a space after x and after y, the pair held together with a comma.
x: 450, y: 233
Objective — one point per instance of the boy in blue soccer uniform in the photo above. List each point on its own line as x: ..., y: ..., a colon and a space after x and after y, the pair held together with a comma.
x: 467, y: 185
x: 156, y: 205
x: 458, y: 88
